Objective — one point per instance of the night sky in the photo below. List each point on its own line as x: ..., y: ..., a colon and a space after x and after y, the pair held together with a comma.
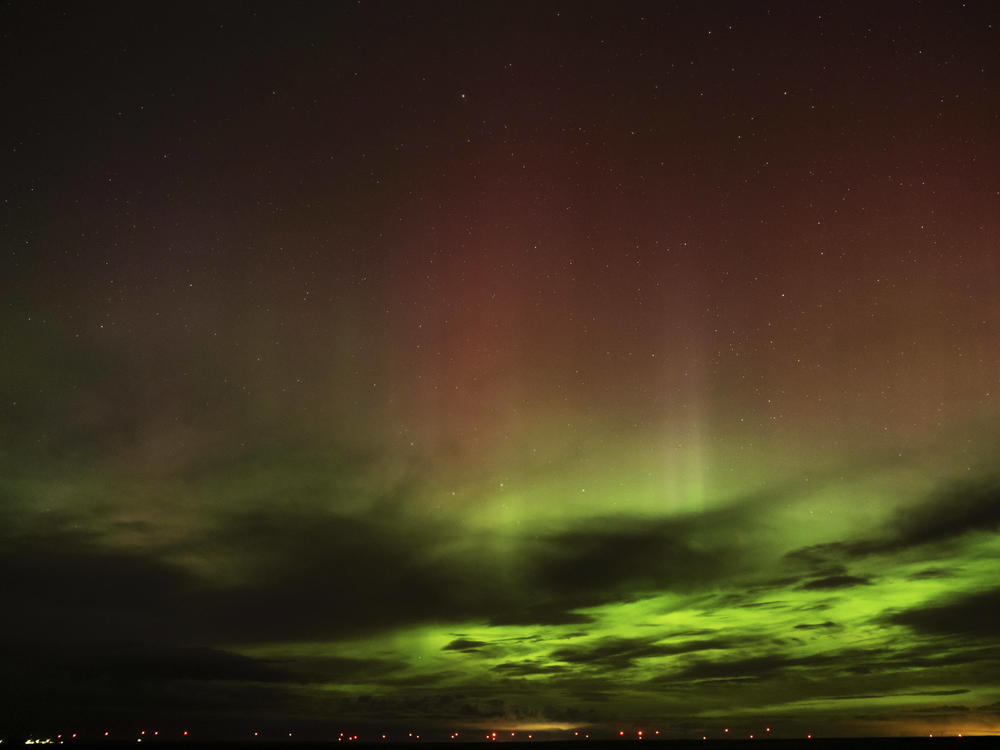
x: 467, y: 366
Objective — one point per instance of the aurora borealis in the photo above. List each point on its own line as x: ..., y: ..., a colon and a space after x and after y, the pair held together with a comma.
x: 500, y: 366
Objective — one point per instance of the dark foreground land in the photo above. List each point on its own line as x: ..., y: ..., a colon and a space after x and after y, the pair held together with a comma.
x: 818, y: 743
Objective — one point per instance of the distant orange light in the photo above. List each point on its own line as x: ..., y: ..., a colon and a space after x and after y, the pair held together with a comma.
x: 621, y: 732
x: 185, y: 733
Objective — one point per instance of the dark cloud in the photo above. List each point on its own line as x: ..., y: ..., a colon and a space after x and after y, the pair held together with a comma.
x: 932, y: 693
x: 109, y: 594
x: 938, y: 655
x: 612, y: 557
x: 116, y: 681
x: 820, y: 555
x: 970, y: 616
x: 601, y: 560
x: 464, y: 644
x: 816, y: 625
x: 764, y: 605
x: 528, y: 668
x: 768, y: 665
x: 299, y: 577
x: 882, y: 696
x: 619, y: 653
x: 835, y: 582
x: 930, y: 573
x: 750, y: 668
x: 546, y: 613
x: 416, y: 704
x: 946, y: 710
x: 954, y: 512
x: 962, y: 508
x: 319, y: 669
x: 315, y: 576
x: 122, y: 661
